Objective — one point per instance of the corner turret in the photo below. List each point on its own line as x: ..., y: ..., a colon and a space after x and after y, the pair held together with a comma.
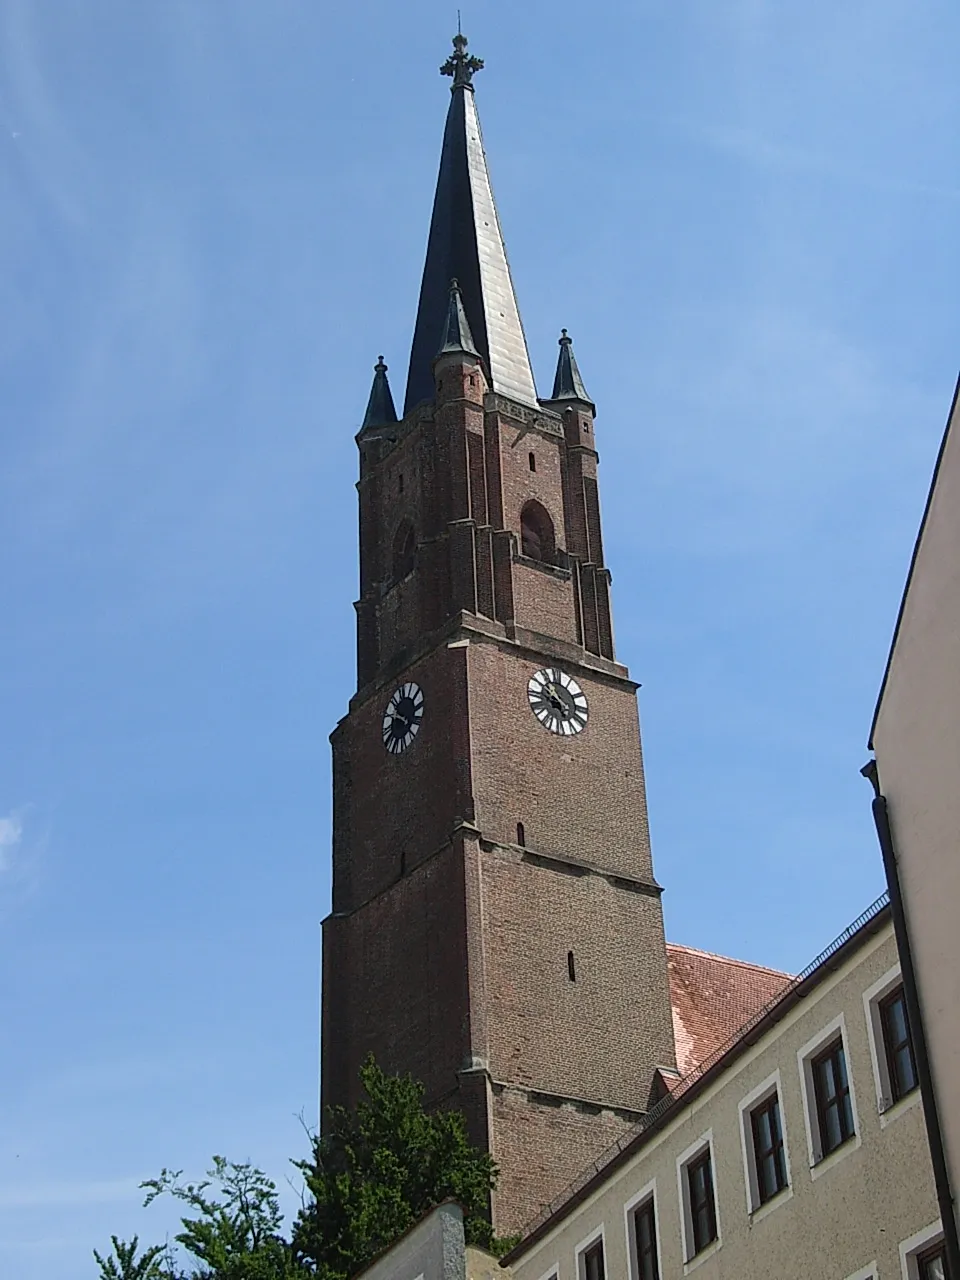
x: 381, y: 411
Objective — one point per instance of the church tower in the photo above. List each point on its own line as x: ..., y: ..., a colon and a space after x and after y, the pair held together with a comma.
x: 496, y: 927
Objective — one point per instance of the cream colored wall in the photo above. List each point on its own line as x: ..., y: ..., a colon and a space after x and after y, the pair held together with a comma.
x: 432, y: 1250
x: 484, y: 1266
x: 917, y: 745
x: 852, y: 1210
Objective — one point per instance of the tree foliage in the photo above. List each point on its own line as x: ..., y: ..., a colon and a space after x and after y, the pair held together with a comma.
x: 372, y: 1174
x: 378, y: 1168
x: 124, y: 1264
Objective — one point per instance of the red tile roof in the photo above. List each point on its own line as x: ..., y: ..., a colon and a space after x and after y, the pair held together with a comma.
x: 712, y: 997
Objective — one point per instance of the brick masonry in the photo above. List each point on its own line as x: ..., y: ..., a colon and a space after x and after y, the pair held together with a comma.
x: 496, y: 928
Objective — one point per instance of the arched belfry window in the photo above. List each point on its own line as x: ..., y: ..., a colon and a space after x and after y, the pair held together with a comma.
x: 404, y: 550
x: 537, y: 540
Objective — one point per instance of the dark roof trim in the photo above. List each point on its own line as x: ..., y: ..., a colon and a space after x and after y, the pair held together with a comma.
x: 849, y: 942
x: 955, y: 405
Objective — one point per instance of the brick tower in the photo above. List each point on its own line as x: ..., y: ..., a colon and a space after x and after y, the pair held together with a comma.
x: 496, y: 927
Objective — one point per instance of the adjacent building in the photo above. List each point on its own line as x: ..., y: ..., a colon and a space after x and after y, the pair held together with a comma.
x: 797, y: 1150
x: 916, y: 739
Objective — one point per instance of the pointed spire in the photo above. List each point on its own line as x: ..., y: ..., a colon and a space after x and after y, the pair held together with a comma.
x: 466, y: 242
x: 380, y: 407
x: 567, y: 383
x: 456, y: 330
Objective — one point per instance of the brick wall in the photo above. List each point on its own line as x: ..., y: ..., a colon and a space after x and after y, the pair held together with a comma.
x: 540, y: 1148
x: 395, y: 983
x: 387, y: 805
x: 447, y: 955
x: 600, y: 1035
x: 581, y: 796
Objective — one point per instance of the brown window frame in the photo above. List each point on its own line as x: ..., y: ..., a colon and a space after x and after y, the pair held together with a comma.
x: 834, y: 1053
x: 594, y: 1266
x: 703, y: 1232
x: 648, y: 1258
x: 899, y: 1088
x: 936, y: 1253
x: 776, y: 1151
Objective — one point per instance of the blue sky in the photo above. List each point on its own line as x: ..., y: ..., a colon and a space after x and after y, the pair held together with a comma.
x: 213, y: 219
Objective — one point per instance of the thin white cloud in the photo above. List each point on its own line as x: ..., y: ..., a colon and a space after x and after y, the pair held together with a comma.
x: 11, y: 834
x: 105, y: 1191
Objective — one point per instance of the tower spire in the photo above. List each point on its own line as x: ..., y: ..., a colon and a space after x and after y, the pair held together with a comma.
x: 380, y: 407
x: 466, y: 243
x: 456, y: 330
x: 567, y: 382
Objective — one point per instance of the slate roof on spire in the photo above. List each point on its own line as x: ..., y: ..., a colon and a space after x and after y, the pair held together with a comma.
x: 456, y: 329
x: 567, y: 383
x: 380, y: 407
x: 466, y: 243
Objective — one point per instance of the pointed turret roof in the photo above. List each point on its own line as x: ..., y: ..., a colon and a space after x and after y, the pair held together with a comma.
x: 567, y: 383
x: 380, y: 407
x: 466, y: 242
x: 456, y: 329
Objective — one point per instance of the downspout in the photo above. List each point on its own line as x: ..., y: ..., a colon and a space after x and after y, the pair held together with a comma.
x: 911, y: 997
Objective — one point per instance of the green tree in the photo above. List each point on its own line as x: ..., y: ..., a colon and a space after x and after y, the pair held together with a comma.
x: 372, y: 1174
x: 124, y: 1264
x: 232, y: 1231
x: 379, y: 1168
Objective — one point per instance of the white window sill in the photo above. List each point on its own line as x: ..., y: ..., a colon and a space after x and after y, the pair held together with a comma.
x: 894, y: 1112
x: 765, y: 1210
x: 701, y: 1257
x: 828, y: 1162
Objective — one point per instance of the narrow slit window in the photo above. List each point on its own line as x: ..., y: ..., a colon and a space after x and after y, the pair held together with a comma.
x: 834, y: 1105
x: 404, y: 550
x: 593, y: 1264
x: 521, y: 834
x: 768, y: 1150
x: 645, y: 1235
x: 897, y: 1044
x: 571, y: 967
x: 533, y: 461
x: 703, y: 1209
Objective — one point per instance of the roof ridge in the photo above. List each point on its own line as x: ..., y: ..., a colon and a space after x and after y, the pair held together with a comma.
x: 715, y: 955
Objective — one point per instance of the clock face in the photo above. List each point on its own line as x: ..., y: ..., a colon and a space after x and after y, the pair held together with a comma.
x: 401, y: 720
x: 557, y: 701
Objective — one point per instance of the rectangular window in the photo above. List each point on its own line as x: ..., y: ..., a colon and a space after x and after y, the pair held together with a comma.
x: 897, y: 1044
x: 645, y: 1233
x: 703, y: 1209
x: 932, y: 1264
x: 593, y: 1262
x: 831, y: 1090
x: 768, y: 1150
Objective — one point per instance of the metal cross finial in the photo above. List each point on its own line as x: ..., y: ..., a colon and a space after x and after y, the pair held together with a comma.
x: 460, y: 64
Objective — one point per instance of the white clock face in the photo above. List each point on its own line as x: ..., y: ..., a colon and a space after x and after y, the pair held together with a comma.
x: 401, y: 720
x: 557, y: 701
